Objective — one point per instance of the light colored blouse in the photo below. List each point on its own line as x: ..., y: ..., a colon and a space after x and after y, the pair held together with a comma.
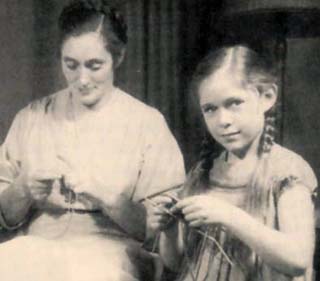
x: 124, y: 149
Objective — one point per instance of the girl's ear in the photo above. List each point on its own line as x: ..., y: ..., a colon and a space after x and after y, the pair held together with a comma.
x: 269, y: 97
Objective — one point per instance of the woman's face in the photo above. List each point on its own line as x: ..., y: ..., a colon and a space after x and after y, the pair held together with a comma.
x: 233, y: 114
x: 87, y: 67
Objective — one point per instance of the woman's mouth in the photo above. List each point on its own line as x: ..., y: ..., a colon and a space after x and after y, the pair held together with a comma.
x: 85, y: 91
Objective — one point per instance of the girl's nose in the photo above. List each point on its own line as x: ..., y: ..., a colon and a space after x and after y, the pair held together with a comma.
x: 224, y: 118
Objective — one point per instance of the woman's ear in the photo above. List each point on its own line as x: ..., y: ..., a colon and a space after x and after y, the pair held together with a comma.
x: 121, y: 58
x: 269, y: 97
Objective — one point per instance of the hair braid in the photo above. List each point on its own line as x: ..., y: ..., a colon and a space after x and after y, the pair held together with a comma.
x: 210, y: 150
x: 268, y: 135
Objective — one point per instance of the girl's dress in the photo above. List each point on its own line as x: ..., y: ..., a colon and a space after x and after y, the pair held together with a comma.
x: 203, y: 260
x: 125, y: 149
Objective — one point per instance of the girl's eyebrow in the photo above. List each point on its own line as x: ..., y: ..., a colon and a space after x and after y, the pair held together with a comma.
x: 207, y: 105
x: 230, y: 100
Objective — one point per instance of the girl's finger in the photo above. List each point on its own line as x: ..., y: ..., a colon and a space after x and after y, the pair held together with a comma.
x: 184, y: 202
x: 194, y: 216
x: 190, y: 209
x: 196, y: 223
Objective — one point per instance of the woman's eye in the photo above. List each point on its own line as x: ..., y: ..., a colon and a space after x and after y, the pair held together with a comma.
x: 95, y: 66
x: 72, y: 65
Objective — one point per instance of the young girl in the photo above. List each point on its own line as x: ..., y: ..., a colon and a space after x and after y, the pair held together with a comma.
x: 246, y: 207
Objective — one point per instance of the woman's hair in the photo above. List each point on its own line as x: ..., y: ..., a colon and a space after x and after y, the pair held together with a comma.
x: 252, y: 70
x: 83, y: 16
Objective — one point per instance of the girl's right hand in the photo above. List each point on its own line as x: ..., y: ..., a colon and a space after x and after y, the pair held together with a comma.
x: 37, y: 184
x: 158, y: 217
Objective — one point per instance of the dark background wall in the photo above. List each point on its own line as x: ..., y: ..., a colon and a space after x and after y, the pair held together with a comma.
x: 166, y: 39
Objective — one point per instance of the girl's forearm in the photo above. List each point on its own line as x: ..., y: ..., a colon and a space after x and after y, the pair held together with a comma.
x: 15, y: 204
x: 171, y: 246
x: 286, y: 252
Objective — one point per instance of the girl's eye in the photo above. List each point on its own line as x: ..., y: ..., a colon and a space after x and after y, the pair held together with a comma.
x: 235, y: 103
x: 209, y: 109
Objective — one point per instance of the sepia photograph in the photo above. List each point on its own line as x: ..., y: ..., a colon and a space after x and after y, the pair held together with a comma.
x: 159, y: 140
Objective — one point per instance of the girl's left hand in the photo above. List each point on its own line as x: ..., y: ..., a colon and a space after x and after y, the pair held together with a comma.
x: 203, y: 210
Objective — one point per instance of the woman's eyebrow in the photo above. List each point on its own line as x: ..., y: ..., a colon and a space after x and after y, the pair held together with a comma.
x: 94, y: 61
x: 66, y: 58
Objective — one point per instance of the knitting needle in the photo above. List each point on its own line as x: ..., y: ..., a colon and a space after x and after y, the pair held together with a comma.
x: 198, y: 231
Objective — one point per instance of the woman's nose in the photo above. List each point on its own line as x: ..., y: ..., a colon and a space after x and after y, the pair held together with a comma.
x: 83, y: 77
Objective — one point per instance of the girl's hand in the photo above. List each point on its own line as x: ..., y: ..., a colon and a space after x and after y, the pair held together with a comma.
x: 37, y: 184
x: 158, y: 217
x: 204, y: 210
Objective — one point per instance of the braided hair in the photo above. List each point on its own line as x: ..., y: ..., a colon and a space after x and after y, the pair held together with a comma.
x: 83, y: 16
x: 255, y: 71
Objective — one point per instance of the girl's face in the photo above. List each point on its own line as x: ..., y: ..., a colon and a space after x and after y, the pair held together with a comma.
x: 87, y: 67
x: 233, y: 114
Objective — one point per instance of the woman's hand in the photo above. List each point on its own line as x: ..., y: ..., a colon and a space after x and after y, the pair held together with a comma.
x: 203, y: 210
x: 37, y: 184
x: 158, y: 217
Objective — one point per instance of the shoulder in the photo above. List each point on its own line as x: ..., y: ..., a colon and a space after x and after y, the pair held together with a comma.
x: 137, y: 105
x: 151, y: 117
x: 287, y: 165
x: 43, y: 104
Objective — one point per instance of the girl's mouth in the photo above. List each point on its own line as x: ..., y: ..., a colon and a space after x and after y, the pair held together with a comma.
x: 228, y: 135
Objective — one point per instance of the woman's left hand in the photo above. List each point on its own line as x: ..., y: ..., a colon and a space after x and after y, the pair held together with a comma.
x: 203, y: 210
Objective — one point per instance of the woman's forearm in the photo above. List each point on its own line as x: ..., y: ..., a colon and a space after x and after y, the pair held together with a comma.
x: 129, y: 215
x: 15, y: 204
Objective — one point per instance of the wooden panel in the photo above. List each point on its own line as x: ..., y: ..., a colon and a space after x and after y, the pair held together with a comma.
x: 241, y: 6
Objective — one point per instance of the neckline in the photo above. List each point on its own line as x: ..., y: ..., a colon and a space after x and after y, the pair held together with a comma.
x: 77, y: 111
x: 225, y: 186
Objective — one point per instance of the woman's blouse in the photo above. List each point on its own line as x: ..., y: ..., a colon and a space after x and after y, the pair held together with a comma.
x: 125, y: 149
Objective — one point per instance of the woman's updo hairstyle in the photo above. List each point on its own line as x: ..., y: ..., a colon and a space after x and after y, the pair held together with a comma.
x: 83, y: 16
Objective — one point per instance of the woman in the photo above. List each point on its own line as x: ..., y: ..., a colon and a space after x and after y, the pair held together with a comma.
x: 77, y: 164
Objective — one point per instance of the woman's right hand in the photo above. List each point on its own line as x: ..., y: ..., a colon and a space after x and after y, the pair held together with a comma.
x: 37, y: 184
x: 158, y: 214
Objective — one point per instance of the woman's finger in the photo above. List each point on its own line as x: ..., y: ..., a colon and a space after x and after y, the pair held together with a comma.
x: 157, y: 211
x: 162, y: 199
x: 46, y: 175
